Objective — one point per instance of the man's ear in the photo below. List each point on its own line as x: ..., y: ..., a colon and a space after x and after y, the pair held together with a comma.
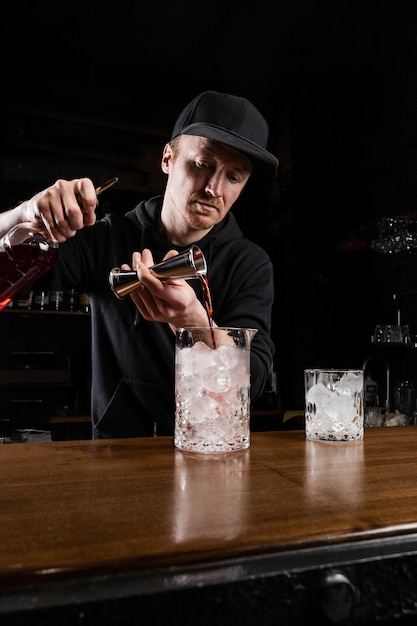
x: 166, y: 158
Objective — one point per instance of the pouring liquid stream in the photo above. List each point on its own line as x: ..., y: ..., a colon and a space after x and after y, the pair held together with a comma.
x: 208, y: 305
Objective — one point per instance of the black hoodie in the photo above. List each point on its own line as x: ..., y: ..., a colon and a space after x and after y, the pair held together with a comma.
x: 132, y: 359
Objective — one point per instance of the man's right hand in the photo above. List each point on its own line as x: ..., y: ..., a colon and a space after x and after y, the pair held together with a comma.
x: 63, y: 208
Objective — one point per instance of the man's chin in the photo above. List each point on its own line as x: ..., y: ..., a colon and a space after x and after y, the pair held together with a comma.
x: 201, y: 222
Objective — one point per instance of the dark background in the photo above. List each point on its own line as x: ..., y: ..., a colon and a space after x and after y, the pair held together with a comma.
x: 94, y: 88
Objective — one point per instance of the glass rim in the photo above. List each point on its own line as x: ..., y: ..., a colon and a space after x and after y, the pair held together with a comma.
x: 333, y: 370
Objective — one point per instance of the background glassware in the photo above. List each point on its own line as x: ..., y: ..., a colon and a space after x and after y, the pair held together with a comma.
x: 405, y: 396
x: 393, y: 334
x: 405, y: 331
x: 395, y: 234
x: 379, y: 333
x: 374, y: 416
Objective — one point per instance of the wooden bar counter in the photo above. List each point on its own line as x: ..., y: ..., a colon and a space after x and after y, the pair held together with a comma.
x: 133, y: 531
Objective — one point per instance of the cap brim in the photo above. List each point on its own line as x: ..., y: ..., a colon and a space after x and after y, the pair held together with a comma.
x: 252, y: 150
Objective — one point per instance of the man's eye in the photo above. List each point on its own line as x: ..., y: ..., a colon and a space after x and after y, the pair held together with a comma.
x: 201, y: 164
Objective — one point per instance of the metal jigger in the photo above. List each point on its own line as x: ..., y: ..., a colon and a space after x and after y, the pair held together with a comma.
x: 189, y: 264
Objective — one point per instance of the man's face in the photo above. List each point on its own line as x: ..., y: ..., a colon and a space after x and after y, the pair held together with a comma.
x: 205, y: 178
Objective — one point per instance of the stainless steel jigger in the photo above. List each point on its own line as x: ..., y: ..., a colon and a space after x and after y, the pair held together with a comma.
x: 189, y: 264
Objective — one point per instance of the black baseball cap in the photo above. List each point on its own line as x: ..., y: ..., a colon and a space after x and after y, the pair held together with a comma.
x: 232, y: 120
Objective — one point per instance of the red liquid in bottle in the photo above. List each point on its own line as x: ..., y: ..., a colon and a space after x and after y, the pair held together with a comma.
x: 23, y: 263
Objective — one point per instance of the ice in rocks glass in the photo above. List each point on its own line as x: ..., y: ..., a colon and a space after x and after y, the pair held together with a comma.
x: 334, y: 404
x: 212, y: 389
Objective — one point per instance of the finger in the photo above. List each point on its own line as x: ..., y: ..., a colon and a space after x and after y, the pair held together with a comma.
x: 136, y: 260
x: 170, y: 254
x: 86, y: 196
x: 79, y: 201
x: 143, y: 262
x: 147, y: 257
x: 143, y: 302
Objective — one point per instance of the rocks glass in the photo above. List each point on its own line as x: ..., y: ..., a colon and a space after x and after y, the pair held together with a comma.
x: 334, y: 404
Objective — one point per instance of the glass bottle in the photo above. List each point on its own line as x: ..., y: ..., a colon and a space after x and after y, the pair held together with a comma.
x: 56, y: 300
x: 371, y: 391
x: 26, y: 253
x: 71, y: 297
x: 84, y: 303
x: 41, y: 300
x: 24, y: 299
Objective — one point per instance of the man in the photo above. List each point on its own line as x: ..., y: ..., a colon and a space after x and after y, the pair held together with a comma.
x: 218, y: 142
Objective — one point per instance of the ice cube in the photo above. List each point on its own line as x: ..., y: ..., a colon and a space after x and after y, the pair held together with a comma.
x: 216, y: 379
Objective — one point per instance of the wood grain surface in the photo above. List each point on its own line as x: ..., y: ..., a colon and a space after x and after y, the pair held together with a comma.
x: 68, y: 508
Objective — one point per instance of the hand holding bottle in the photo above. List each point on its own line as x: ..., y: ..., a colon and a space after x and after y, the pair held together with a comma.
x: 30, y: 248
x: 63, y: 208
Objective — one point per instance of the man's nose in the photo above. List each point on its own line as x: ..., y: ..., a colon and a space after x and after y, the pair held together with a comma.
x: 214, y: 186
